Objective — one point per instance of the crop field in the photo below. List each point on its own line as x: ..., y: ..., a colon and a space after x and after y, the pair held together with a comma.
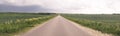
x: 11, y: 23
x: 106, y: 23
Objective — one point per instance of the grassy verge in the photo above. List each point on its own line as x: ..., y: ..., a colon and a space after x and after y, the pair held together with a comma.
x: 105, y: 23
x: 18, y: 22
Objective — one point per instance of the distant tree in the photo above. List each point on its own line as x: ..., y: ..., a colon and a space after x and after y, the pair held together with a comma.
x: 116, y: 14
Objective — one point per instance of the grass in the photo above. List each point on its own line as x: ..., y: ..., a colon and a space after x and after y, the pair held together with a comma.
x: 106, y: 23
x: 11, y: 23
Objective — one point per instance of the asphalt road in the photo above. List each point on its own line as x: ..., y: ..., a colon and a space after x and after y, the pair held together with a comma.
x: 57, y: 26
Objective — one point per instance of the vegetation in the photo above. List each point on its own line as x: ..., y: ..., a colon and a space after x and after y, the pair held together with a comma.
x: 11, y: 23
x: 106, y: 23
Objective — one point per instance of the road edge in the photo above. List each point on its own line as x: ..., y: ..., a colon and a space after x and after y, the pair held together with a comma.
x: 91, y: 31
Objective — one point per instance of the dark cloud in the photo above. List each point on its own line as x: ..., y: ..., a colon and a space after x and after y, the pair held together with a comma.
x: 14, y: 8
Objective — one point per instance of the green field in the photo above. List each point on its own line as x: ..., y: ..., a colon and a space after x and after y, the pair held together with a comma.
x: 12, y: 23
x: 106, y: 23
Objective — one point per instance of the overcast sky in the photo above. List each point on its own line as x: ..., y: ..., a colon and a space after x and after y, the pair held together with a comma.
x: 62, y: 6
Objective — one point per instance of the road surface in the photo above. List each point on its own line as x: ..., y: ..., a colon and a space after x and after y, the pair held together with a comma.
x: 58, y: 26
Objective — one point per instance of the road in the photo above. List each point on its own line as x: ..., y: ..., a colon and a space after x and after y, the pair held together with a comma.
x: 58, y: 26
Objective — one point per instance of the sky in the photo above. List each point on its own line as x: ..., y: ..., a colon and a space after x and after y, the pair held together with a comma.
x: 62, y: 6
